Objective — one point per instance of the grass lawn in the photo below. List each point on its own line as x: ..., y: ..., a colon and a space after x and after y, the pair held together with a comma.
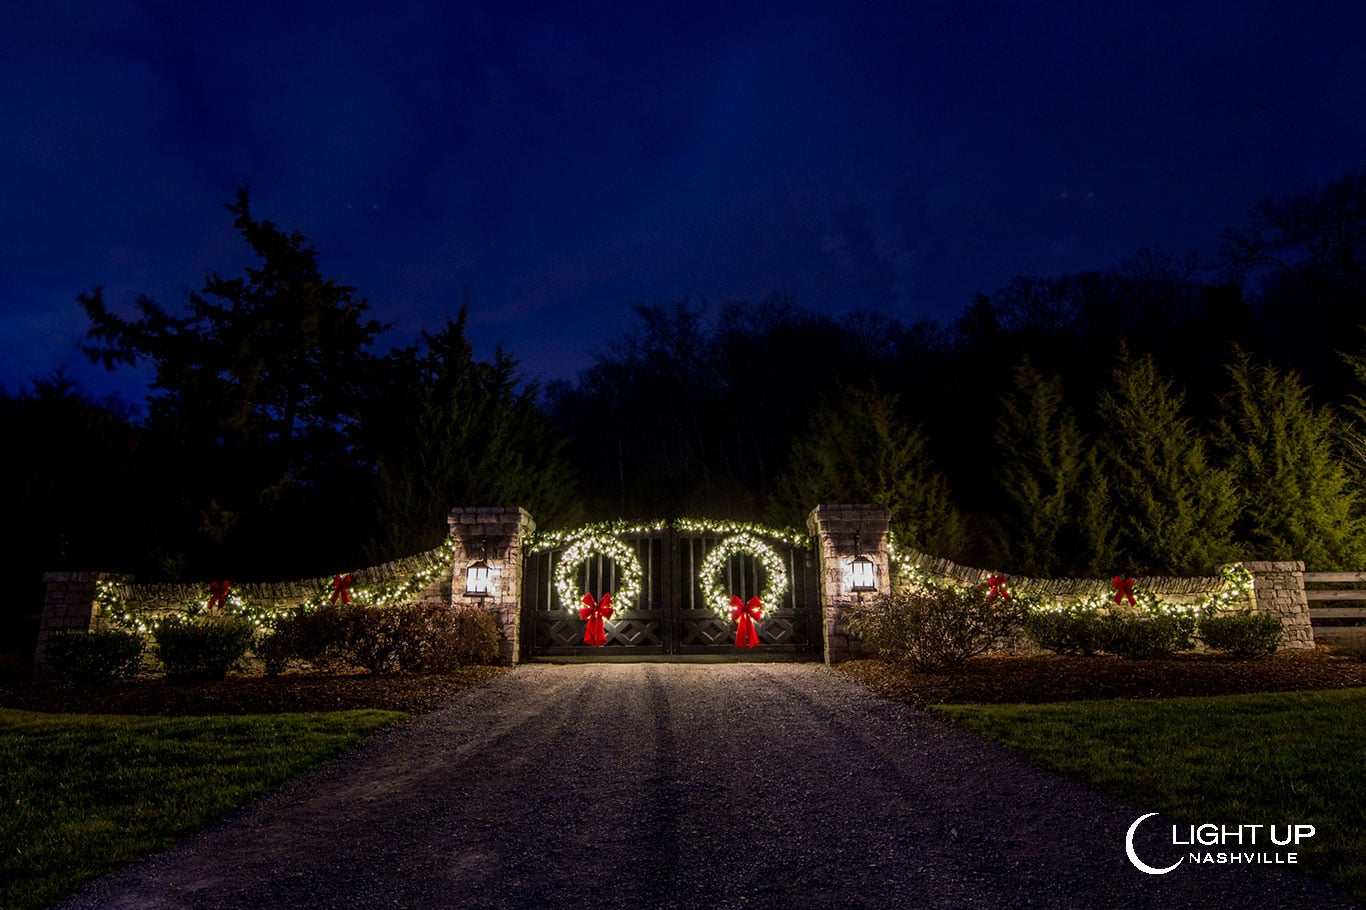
x: 85, y: 794
x: 1284, y: 758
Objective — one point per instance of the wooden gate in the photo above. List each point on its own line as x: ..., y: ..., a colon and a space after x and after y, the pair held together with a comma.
x: 671, y: 614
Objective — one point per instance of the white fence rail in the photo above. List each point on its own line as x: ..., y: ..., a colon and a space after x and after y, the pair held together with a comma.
x: 1335, y: 609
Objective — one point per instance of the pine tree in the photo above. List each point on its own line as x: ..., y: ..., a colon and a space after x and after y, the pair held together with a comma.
x: 1059, y: 520
x: 859, y: 449
x: 1173, y: 510
x: 1296, y: 498
x: 448, y: 429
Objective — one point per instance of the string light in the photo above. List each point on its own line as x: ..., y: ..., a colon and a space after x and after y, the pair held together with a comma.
x: 591, y: 544
x: 776, y: 581
x: 787, y: 536
x: 113, y: 598
x: 1234, y: 591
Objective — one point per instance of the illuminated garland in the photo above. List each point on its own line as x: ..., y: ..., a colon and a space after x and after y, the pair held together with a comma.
x: 540, y: 541
x: 589, y: 544
x: 1236, y: 590
x: 398, y: 591
x: 111, y: 597
x: 717, y: 595
x: 788, y: 536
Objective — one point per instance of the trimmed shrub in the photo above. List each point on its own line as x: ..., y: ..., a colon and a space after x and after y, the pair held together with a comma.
x: 1066, y: 631
x: 376, y: 638
x: 431, y: 637
x: 1242, y: 634
x: 202, y: 649
x: 1135, y: 636
x: 93, y: 657
x: 275, y: 651
x: 475, y: 638
x: 934, y: 628
x: 321, y: 637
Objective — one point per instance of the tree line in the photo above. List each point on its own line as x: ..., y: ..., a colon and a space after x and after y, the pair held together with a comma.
x: 1158, y: 415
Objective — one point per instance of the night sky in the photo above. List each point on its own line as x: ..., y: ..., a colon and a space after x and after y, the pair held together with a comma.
x: 556, y: 165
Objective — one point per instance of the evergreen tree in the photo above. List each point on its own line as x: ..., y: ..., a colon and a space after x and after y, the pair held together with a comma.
x: 858, y: 449
x: 253, y: 414
x: 1059, y: 518
x: 1296, y: 499
x: 448, y: 430
x: 1173, y: 510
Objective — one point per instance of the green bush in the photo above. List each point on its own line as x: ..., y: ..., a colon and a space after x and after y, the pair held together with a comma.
x: 320, y: 637
x: 376, y: 638
x: 204, y: 648
x: 90, y: 657
x: 934, y: 628
x: 1136, y: 636
x: 475, y: 636
x: 431, y: 637
x: 1242, y: 634
x: 1066, y: 631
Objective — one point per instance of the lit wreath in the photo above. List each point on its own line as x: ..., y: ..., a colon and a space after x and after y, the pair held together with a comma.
x: 717, y: 595
x: 578, y: 552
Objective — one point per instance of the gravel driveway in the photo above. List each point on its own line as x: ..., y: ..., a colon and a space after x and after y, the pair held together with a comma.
x: 681, y: 785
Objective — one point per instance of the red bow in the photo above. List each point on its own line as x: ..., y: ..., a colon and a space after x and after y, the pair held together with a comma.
x: 595, y: 612
x: 997, y: 588
x: 341, y: 588
x: 218, y: 593
x: 747, y: 614
x: 1124, y: 587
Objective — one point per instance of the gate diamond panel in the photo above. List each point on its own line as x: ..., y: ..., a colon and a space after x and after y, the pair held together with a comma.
x: 671, y: 615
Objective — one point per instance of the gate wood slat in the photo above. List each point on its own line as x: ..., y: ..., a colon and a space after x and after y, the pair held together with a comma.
x: 1323, y: 617
x: 1338, y: 613
x: 1333, y: 577
x: 671, y: 615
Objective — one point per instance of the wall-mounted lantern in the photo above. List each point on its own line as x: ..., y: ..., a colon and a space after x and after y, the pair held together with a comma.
x: 479, y: 576
x: 862, y: 571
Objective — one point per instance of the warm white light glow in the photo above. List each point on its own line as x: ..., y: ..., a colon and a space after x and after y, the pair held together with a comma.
x: 862, y: 575
x: 478, y: 579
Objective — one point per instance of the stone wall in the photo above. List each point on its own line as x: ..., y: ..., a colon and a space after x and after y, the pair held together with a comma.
x: 69, y: 603
x: 70, y: 600
x: 495, y: 535
x: 837, y: 529
x: 1278, y: 589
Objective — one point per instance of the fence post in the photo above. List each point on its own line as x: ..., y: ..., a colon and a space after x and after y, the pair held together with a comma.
x: 1278, y: 590
x: 834, y: 528
x: 495, y: 535
x: 68, y: 603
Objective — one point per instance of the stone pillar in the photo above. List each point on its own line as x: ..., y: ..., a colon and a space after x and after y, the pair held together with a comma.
x: 496, y: 534
x: 68, y: 603
x: 834, y: 528
x: 1278, y: 589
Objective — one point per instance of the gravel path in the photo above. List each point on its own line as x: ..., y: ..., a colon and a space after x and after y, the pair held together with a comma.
x: 681, y: 785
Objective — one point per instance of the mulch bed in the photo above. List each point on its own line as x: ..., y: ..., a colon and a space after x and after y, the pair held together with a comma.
x: 249, y: 694
x: 1053, y: 677
x: 993, y: 680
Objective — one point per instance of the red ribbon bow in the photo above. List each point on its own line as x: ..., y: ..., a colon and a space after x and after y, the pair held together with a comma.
x: 1124, y: 587
x: 341, y: 588
x: 747, y: 614
x: 997, y: 588
x: 595, y: 612
x: 218, y: 593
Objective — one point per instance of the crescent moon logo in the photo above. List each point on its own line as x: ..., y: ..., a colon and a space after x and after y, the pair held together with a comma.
x: 1133, y: 857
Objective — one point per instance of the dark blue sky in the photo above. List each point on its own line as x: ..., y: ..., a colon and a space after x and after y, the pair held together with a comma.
x: 557, y: 164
